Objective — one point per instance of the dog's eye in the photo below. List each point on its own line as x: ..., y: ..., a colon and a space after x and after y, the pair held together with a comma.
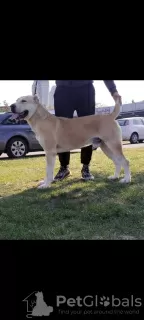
x: 23, y: 101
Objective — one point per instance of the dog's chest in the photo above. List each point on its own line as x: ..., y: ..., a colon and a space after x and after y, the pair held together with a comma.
x: 39, y: 138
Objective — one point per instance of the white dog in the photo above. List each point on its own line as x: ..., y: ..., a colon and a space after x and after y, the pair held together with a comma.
x: 57, y: 134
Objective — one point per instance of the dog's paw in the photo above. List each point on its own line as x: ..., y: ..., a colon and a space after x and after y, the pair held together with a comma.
x: 112, y: 178
x: 125, y: 180
x: 44, y: 186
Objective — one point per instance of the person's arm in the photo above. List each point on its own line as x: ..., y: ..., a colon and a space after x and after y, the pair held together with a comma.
x: 110, y: 86
x: 41, y: 89
x: 51, y: 96
x: 112, y: 89
x: 33, y: 87
x: 44, y: 92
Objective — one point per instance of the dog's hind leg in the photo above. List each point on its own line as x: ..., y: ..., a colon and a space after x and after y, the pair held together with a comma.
x: 50, y: 163
x: 125, y: 165
x: 119, y: 159
x: 111, y: 156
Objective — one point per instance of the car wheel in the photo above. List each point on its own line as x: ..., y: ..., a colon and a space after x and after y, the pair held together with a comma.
x: 17, y: 148
x: 134, y: 138
x: 140, y: 141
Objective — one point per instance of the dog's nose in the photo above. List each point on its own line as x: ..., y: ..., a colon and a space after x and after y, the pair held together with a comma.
x: 13, y: 107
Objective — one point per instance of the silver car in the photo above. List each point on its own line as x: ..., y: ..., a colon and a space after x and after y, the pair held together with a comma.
x: 16, y: 137
x: 132, y: 129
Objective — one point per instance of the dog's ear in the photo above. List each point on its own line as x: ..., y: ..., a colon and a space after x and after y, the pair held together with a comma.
x: 36, y: 99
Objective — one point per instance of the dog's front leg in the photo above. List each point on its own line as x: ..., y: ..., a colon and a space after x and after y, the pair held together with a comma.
x: 50, y: 163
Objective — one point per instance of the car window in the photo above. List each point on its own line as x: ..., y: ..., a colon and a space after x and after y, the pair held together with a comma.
x: 2, y: 117
x: 137, y: 121
x: 123, y: 122
x: 10, y: 121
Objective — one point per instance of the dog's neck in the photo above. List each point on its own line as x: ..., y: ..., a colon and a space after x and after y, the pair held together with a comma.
x: 41, y: 113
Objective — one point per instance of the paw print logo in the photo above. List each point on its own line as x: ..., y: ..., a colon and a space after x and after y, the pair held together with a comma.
x: 105, y: 301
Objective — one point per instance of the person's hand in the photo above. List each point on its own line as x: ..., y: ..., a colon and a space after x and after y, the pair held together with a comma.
x: 116, y: 97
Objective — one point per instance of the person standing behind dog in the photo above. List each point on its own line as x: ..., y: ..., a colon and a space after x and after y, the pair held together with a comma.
x: 77, y: 95
x: 41, y: 89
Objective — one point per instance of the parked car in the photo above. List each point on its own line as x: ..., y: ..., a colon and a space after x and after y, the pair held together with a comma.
x: 16, y: 137
x: 132, y: 129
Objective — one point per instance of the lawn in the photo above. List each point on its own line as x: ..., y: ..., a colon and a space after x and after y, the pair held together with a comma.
x: 71, y: 209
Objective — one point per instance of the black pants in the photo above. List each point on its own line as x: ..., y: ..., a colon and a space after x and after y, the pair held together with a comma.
x: 66, y: 101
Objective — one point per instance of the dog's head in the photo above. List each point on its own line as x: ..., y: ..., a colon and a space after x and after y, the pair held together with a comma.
x: 25, y: 107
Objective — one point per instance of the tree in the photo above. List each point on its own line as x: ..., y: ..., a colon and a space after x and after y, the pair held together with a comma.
x: 5, y: 103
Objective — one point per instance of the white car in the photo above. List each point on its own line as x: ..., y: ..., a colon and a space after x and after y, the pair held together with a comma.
x: 132, y: 129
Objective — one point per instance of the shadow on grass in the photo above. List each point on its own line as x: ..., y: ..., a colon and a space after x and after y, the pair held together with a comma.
x: 74, y: 209
x: 101, y: 187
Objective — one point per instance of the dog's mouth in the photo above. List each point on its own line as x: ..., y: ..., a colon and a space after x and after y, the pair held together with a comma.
x: 21, y: 115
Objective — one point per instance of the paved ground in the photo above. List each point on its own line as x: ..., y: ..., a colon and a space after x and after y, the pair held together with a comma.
x: 129, y: 145
x: 125, y: 145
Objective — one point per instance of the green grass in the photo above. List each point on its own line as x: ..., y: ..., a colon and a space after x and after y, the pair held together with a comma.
x: 71, y: 209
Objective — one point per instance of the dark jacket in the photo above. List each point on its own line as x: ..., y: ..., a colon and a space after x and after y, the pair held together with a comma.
x: 75, y: 83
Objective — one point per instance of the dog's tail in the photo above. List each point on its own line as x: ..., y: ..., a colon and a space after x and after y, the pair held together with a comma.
x: 116, y: 110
